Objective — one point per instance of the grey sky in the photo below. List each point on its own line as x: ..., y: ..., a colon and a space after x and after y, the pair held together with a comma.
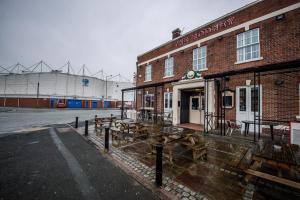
x: 101, y: 34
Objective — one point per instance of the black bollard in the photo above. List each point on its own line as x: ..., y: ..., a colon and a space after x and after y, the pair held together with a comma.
x: 86, y: 132
x: 76, y: 122
x: 95, y: 122
x: 106, y: 144
x: 158, y: 178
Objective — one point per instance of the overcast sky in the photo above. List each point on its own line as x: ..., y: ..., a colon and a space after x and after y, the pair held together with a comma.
x: 101, y: 34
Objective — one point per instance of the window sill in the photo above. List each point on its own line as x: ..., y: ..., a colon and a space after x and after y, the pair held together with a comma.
x: 245, y: 61
x: 147, y: 81
x: 168, y: 76
x: 201, y: 70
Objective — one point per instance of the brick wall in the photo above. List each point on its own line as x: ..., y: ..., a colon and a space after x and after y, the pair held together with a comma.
x: 279, y: 42
x: 279, y: 101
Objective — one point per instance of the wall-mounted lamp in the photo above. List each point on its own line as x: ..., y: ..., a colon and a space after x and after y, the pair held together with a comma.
x: 280, y: 17
x: 248, y: 82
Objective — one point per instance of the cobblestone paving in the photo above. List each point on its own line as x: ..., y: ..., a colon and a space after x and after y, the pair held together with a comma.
x: 169, y: 185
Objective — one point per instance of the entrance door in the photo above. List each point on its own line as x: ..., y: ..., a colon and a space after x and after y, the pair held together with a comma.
x: 195, y: 109
x: 247, y: 104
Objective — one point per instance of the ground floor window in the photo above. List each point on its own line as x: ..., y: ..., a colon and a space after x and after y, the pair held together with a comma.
x: 227, y: 99
x: 168, y: 101
x: 149, y: 100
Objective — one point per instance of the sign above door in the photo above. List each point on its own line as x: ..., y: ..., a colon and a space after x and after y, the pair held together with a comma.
x: 191, y: 75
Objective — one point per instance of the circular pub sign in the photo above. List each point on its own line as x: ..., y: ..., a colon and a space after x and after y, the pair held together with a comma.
x: 191, y: 75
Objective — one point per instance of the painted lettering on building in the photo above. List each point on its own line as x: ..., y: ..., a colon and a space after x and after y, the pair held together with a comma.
x: 206, y: 31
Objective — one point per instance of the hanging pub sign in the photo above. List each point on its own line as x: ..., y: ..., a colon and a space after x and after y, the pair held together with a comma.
x: 191, y: 75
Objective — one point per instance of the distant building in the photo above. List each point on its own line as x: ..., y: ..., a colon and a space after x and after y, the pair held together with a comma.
x: 60, y: 90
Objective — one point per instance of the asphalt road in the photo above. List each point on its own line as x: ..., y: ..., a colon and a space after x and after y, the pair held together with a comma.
x: 60, y: 164
x: 21, y: 119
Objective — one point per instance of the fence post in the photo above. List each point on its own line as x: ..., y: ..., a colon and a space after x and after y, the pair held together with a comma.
x: 86, y: 132
x: 76, y: 122
x: 106, y: 144
x: 158, y: 178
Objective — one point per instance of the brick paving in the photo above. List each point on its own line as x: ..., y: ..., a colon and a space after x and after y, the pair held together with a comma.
x: 148, y: 173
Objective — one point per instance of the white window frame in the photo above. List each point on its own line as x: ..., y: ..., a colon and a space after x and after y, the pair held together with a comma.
x: 148, y: 73
x: 168, y: 96
x: 244, y: 42
x: 169, y: 67
x: 199, y: 58
x: 151, y: 103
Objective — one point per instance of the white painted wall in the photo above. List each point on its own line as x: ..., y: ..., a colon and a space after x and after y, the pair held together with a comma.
x: 53, y: 84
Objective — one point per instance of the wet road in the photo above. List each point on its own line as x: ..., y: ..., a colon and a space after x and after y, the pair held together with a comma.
x: 60, y: 164
x: 18, y: 119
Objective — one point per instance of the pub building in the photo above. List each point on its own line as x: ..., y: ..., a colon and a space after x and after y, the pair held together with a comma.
x: 242, y: 66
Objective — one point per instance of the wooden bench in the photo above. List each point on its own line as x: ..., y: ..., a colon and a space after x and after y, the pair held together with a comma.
x: 272, y: 178
x: 199, y: 150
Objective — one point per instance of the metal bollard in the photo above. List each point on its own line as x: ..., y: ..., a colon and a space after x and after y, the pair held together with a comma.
x: 86, y: 132
x: 95, y: 122
x: 106, y: 144
x: 76, y: 122
x: 158, y: 172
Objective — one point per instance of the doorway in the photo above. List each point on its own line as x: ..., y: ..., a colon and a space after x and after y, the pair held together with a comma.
x: 247, y: 104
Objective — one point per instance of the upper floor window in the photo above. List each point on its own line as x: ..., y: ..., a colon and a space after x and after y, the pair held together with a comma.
x: 248, y: 45
x: 148, y: 73
x: 199, y: 58
x: 169, y: 65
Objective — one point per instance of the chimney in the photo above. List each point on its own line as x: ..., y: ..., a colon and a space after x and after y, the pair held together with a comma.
x: 176, y: 33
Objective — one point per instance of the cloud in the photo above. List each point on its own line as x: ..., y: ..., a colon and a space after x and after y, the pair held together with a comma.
x: 102, y: 34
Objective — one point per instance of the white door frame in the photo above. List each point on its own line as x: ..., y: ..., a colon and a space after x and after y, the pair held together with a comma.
x: 248, y: 114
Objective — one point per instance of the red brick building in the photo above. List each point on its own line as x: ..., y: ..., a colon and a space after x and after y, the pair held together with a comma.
x: 261, y: 36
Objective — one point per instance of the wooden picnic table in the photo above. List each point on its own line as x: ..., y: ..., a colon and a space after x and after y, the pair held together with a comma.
x: 262, y: 122
x: 128, y: 124
x: 279, y: 157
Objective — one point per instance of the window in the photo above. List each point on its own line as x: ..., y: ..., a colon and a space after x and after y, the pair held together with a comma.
x: 168, y: 101
x: 195, y: 103
x: 242, y: 99
x: 169, y: 64
x: 227, y: 99
x: 199, y: 58
x: 148, y: 73
x: 149, y: 100
x: 248, y: 45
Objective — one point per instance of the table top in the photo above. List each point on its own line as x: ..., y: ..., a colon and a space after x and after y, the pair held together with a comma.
x: 262, y: 122
x: 289, y: 154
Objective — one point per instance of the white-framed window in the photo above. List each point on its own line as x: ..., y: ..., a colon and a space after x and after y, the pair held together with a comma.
x: 168, y: 101
x: 149, y: 100
x: 227, y: 99
x: 248, y: 47
x: 148, y: 73
x: 199, y: 58
x: 169, y: 66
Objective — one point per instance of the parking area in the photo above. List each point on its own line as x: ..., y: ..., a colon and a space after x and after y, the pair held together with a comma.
x: 22, y: 119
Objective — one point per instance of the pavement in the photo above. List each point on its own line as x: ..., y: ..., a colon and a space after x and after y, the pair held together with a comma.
x: 57, y: 163
x: 24, y: 119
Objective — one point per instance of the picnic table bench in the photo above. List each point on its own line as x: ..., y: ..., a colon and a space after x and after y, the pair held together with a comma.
x: 279, y: 157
